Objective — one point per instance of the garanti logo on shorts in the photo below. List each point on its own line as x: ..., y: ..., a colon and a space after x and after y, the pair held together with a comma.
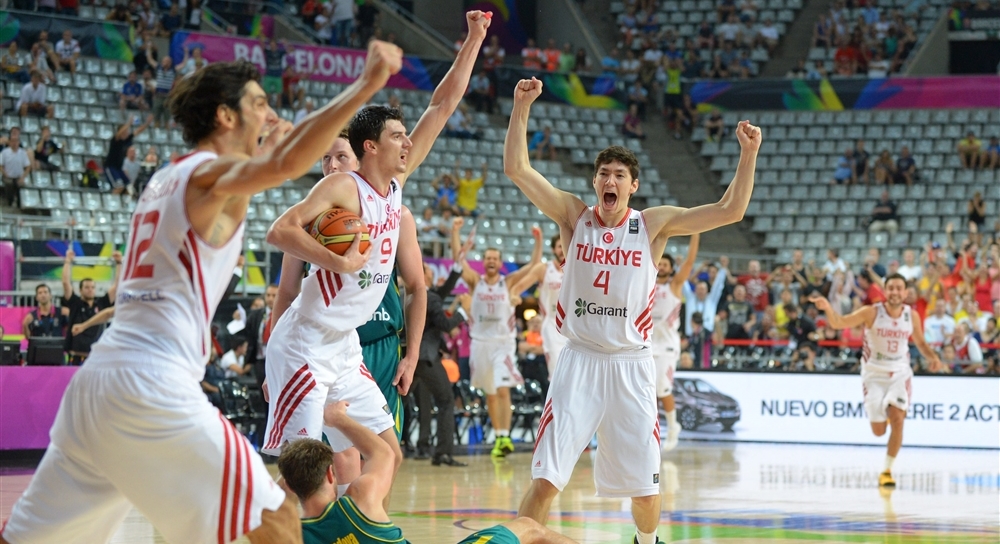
x: 583, y: 307
x: 366, y: 278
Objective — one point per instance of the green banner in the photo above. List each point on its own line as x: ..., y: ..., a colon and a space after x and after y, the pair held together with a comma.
x: 105, y: 39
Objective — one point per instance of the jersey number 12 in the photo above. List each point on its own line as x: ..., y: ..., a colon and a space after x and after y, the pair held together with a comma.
x: 139, y: 246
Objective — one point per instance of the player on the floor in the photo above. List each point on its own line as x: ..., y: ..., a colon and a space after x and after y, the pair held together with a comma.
x: 379, y: 337
x: 314, y: 354
x: 357, y: 516
x: 134, y: 427
x: 549, y: 278
x: 666, y: 332
x: 885, y: 361
x: 492, y: 327
x: 605, y: 379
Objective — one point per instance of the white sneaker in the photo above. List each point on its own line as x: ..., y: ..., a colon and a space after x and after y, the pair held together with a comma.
x: 673, y: 434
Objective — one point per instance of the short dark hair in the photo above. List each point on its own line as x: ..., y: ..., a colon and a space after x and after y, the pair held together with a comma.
x: 555, y: 240
x: 620, y: 154
x: 39, y: 286
x: 791, y: 308
x: 499, y: 253
x: 195, y: 99
x: 896, y: 276
x: 237, y: 341
x: 368, y: 124
x: 669, y: 258
x: 303, y: 465
x: 85, y: 280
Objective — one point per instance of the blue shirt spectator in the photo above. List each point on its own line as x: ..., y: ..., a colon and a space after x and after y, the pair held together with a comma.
x: 611, y: 64
x: 845, y: 167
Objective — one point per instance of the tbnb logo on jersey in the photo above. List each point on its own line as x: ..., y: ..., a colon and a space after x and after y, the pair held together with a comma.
x: 583, y: 308
x: 366, y: 278
x: 380, y: 315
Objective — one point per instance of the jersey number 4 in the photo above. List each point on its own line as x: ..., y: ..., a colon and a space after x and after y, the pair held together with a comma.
x: 138, y: 246
x: 602, y: 279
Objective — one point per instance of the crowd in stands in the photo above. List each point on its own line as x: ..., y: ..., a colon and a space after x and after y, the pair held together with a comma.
x: 343, y: 23
x: 866, y: 40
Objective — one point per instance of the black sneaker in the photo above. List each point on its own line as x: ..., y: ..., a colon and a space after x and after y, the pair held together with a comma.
x: 445, y: 459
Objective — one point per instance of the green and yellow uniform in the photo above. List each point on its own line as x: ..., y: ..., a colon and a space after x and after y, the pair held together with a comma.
x: 343, y: 523
x: 380, y: 348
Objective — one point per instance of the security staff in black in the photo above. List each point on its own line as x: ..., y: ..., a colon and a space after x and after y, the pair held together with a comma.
x: 84, y: 306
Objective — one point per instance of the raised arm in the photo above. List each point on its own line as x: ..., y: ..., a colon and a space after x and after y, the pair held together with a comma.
x: 304, y: 144
x: 67, y: 274
x: 667, y: 221
x: 369, y: 489
x: 113, y: 290
x: 142, y: 128
x: 411, y: 271
x: 862, y: 316
x: 447, y: 95
x: 682, y: 273
x: 560, y: 206
x: 934, y: 362
x: 529, y: 270
x: 719, y: 285
x: 469, y: 276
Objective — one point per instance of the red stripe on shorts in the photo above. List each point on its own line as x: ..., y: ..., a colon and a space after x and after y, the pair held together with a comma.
x: 224, y: 502
x: 295, y: 405
x: 290, y: 389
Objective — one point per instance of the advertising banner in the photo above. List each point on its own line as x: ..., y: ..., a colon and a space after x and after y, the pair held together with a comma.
x: 29, y: 401
x: 106, y: 39
x: 7, y: 255
x: 945, y: 411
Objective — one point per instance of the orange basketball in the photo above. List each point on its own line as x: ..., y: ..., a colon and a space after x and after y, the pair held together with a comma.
x: 336, y: 228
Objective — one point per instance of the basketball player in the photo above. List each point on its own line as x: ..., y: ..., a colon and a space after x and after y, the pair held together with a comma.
x: 357, y: 516
x: 885, y: 361
x: 549, y: 278
x: 492, y: 327
x: 379, y: 337
x: 666, y: 332
x: 314, y: 354
x: 134, y: 427
x: 605, y: 379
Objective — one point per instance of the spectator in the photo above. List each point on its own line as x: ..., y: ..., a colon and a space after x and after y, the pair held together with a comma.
x: 40, y: 63
x: 306, y: 109
x: 741, y: 317
x: 703, y: 300
x: 46, y: 319
x: 970, y: 150
x: 493, y: 55
x: 531, y: 56
x: 611, y: 64
x: 817, y: 71
x: 445, y: 189
x: 990, y: 158
x: 938, y: 327
x: 468, y: 192
x: 146, y: 57
x: 68, y: 51
x: 802, y: 337
x: 630, y: 67
x: 308, y: 11
x: 46, y: 6
x: 541, y: 144
x: 342, y: 20
x: 15, y: 64
x: 45, y: 149
x: 688, y: 114
x: 878, y: 67
x: 192, y: 62
x: 783, y: 279
x: 673, y: 101
x: 580, y: 62
x: 725, y: 9
x: 233, y: 362
x: 755, y: 283
x: 193, y: 15
x: 910, y: 269
x: 906, y: 167
x: 706, y: 36
x: 427, y: 233
x: 84, y: 306
x: 69, y: 8
x: 767, y: 35
x: 967, y: 348
x: 714, y: 126
x: 48, y: 48
x: 274, y: 66
x: 845, y: 59
x: 118, y: 148
x: 833, y: 263
x: 33, y: 98
x: 459, y: 125
x: 132, y: 94
x: 799, y: 72
x: 292, y: 88
x: 728, y: 30
x: 149, y: 18
x: 15, y: 164
x: 171, y: 22
x: 844, y: 173
x: 366, y: 17
x: 550, y: 56
x: 131, y: 167
x: 165, y: 76
x: 860, y: 157
x: 885, y: 169
x: 566, y: 59
x: 883, y: 218
x: 481, y: 93
x: 632, y: 127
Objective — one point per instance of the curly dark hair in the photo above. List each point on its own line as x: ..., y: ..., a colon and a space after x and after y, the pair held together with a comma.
x: 195, y: 99
x: 620, y: 154
x: 303, y: 465
x: 368, y: 124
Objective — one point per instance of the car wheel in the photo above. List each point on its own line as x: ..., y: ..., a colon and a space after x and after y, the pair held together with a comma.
x: 688, y: 419
x: 728, y: 426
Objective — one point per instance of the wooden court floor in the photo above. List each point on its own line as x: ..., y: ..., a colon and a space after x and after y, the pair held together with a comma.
x: 712, y: 493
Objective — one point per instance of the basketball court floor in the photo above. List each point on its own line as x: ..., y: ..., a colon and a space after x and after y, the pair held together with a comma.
x: 712, y: 493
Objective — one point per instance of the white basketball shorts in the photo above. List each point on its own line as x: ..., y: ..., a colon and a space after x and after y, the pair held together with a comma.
x: 134, y: 430
x: 665, y: 359
x: 493, y: 364
x: 614, y: 395
x: 883, y: 389
x: 553, y: 343
x: 309, y: 366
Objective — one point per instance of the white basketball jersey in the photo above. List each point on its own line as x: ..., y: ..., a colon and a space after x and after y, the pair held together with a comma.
x: 549, y: 290
x: 344, y: 302
x: 606, y: 298
x: 666, y: 319
x: 492, y: 314
x: 886, y: 345
x: 172, y: 280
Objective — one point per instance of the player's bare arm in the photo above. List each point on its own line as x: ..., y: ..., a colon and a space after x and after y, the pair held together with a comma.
x: 469, y: 276
x: 666, y: 221
x: 447, y: 95
x: 560, y: 206
x: 411, y: 270
x: 289, y: 286
x: 687, y: 266
x: 113, y: 290
x: 524, y: 277
x: 368, y: 490
x: 862, y: 316
x: 934, y: 363
x: 288, y: 233
x: 221, y: 186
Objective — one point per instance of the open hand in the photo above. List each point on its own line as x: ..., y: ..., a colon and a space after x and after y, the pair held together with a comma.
x: 527, y: 91
x: 749, y: 136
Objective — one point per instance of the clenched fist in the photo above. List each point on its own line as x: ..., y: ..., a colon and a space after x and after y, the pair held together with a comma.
x: 749, y: 136
x: 527, y: 91
x: 384, y: 59
x: 478, y: 23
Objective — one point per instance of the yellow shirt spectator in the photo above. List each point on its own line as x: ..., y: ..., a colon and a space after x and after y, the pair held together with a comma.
x: 468, y: 191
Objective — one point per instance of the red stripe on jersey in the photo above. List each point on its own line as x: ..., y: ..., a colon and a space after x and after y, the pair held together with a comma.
x: 237, y: 484
x: 338, y: 282
x: 656, y: 430
x: 249, y: 497
x: 187, y: 266
x: 223, y: 501
x: 201, y: 276
x: 287, y: 392
x: 366, y: 373
x: 560, y: 313
x: 322, y: 287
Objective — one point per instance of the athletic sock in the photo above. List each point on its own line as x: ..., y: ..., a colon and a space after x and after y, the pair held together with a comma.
x: 503, y: 434
x: 342, y: 489
x: 645, y: 538
x: 671, y: 419
x: 888, y: 462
